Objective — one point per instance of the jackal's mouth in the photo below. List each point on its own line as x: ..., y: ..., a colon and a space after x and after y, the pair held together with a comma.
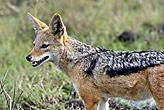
x: 37, y: 63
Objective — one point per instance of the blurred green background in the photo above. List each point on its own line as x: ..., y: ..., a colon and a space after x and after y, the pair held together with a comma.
x: 95, y: 22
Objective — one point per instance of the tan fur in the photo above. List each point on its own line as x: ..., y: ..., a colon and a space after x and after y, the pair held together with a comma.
x: 87, y: 89
x: 156, y: 85
x: 39, y: 23
x: 64, y: 37
x: 64, y: 52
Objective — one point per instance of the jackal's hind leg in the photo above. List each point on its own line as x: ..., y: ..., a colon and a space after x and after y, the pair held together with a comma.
x: 156, y: 85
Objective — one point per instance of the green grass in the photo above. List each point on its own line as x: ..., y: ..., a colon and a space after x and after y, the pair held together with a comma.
x: 93, y: 22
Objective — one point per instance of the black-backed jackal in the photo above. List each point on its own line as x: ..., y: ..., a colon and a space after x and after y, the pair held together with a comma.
x: 97, y: 73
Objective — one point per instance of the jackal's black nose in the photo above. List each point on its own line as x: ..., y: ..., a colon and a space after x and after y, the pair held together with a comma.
x: 28, y: 58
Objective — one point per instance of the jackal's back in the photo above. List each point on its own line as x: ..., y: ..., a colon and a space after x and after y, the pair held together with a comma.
x: 116, y: 63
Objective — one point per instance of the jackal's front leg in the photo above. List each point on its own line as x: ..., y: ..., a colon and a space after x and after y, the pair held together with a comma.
x: 88, y: 92
x: 96, y: 104
x: 90, y: 95
x: 103, y: 104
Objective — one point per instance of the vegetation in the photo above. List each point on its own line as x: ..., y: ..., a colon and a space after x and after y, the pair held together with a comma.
x: 95, y: 22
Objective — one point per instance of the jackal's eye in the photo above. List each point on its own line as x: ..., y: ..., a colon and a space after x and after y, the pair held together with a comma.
x: 33, y: 44
x: 44, y: 45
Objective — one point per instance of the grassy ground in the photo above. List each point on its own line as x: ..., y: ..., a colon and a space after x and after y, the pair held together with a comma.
x: 95, y: 22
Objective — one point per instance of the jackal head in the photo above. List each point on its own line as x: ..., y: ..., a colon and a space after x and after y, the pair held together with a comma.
x: 49, y: 42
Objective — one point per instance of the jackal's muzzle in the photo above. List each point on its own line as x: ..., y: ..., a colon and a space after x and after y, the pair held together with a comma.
x: 36, y: 62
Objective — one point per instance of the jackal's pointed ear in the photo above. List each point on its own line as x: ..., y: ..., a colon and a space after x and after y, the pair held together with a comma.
x: 37, y: 24
x: 57, y: 28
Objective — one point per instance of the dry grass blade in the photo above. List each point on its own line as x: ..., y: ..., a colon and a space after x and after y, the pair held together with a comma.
x: 13, y: 102
x: 18, y: 99
x: 4, y: 79
x: 9, y: 98
x: 5, y: 93
x: 6, y: 98
x: 14, y: 95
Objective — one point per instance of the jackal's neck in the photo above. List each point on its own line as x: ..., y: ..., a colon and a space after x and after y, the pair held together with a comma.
x: 75, y: 51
